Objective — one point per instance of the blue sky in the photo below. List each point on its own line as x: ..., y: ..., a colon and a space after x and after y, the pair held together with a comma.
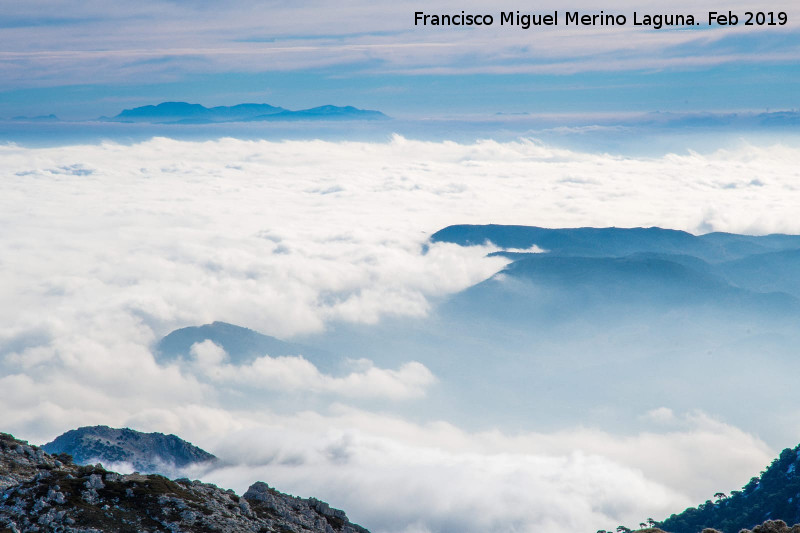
x: 101, y: 57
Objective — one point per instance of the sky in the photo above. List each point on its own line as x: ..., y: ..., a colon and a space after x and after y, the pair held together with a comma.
x: 110, y: 241
x: 98, y: 58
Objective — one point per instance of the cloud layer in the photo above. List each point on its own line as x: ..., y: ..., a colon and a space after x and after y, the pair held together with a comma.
x: 106, y: 248
x: 397, y: 476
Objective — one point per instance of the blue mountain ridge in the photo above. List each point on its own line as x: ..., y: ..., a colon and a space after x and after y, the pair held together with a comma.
x: 586, y: 269
x: 608, y: 242
x: 186, y: 113
x: 243, y: 345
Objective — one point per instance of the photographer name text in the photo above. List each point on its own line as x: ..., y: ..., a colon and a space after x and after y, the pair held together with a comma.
x: 657, y: 21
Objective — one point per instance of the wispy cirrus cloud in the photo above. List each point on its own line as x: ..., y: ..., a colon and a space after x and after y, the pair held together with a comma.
x: 112, y: 40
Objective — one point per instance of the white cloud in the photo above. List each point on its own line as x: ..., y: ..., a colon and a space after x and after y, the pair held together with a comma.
x: 296, y: 374
x: 661, y: 415
x: 170, y: 233
x: 572, y: 480
x: 533, y: 249
x: 290, y: 237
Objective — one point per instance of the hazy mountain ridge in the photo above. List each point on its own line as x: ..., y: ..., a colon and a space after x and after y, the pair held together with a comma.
x: 651, y: 280
x: 653, y: 266
x: 186, y: 113
x: 628, y: 316
x: 326, y: 112
x: 242, y: 345
x: 40, y: 492
x: 593, y: 242
x: 145, y: 452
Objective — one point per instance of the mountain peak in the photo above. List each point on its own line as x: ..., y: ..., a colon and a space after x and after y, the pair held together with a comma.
x: 241, y: 344
x: 144, y: 452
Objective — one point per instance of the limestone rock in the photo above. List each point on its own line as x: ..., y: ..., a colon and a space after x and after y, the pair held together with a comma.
x: 41, y: 493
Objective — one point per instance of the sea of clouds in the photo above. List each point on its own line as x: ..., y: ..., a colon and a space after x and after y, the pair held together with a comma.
x: 106, y: 248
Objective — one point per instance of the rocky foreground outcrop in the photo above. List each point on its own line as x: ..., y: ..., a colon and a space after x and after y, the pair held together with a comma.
x: 40, y: 492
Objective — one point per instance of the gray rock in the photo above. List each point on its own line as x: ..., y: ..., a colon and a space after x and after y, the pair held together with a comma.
x: 258, y: 491
x: 90, y: 496
x: 95, y: 482
x: 26, y: 474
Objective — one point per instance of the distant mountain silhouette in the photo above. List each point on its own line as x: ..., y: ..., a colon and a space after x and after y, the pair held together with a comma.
x: 541, y: 289
x: 186, y: 113
x: 645, y: 276
x: 617, y: 242
x: 327, y: 112
x: 780, y: 118
x: 607, y: 272
x: 242, y: 344
x: 768, y: 272
x: 40, y: 118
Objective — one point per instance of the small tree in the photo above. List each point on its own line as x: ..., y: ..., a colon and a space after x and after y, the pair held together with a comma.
x: 64, y: 458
